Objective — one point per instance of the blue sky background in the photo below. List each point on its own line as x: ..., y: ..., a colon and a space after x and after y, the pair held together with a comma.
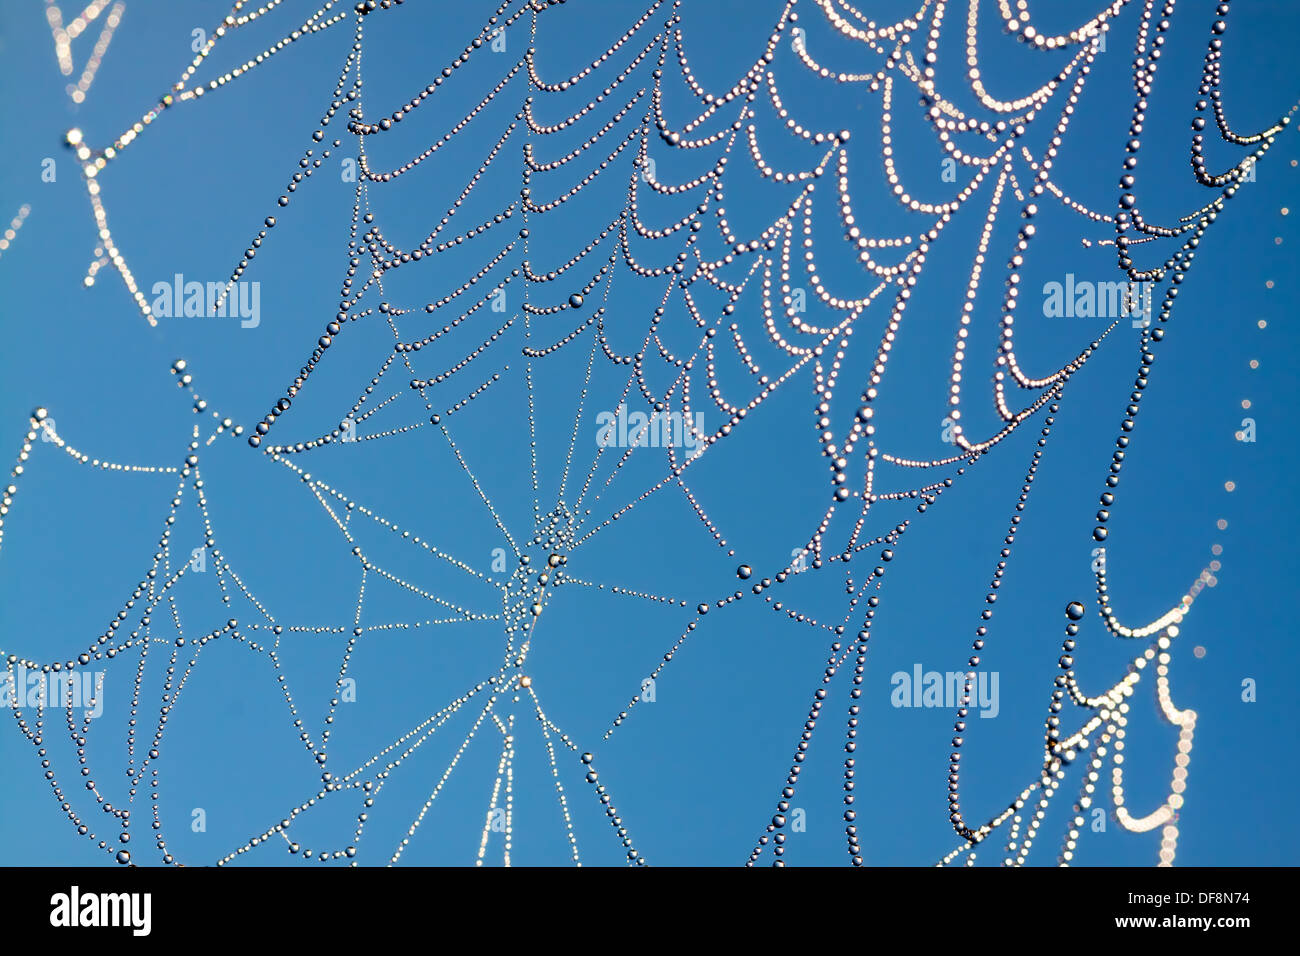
x: 697, y: 773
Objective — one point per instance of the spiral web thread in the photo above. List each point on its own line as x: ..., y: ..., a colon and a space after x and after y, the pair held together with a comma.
x: 699, y: 265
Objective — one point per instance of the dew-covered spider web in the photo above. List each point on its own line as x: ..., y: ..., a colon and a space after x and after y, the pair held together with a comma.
x: 614, y: 379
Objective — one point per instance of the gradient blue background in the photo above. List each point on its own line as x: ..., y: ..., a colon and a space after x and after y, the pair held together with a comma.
x: 696, y: 774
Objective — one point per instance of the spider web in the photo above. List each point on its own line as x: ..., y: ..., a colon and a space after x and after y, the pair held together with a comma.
x: 626, y: 366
